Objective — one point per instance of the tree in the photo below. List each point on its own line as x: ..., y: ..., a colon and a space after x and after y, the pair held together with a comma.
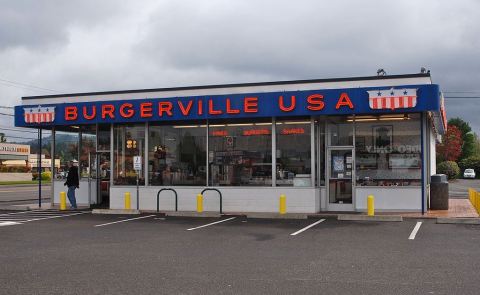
x: 468, y: 146
x: 451, y: 147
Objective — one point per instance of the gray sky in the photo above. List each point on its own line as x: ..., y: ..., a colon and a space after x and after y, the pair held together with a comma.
x: 82, y: 46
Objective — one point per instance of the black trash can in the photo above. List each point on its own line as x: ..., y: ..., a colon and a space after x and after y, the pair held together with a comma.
x: 439, y: 192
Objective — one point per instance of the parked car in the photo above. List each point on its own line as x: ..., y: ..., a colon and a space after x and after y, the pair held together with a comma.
x: 469, y: 173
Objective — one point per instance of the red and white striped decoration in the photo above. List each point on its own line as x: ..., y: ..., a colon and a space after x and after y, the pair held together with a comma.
x: 392, y: 99
x: 39, y: 114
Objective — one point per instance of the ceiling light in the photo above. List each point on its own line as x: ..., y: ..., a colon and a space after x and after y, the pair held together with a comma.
x: 186, y: 126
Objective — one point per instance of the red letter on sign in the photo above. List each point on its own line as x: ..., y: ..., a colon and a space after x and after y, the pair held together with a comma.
x: 126, y: 110
x: 315, y: 102
x: 185, y: 110
x: 344, y: 100
x: 108, y: 109
x: 200, y: 107
x: 282, y: 105
x: 229, y: 108
x: 211, y: 111
x: 71, y: 113
x: 250, y: 105
x: 146, y: 110
x: 165, y: 106
x: 87, y: 116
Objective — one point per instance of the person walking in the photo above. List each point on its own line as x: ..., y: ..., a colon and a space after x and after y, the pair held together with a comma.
x: 72, y: 183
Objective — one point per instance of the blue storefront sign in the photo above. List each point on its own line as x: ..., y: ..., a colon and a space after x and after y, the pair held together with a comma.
x: 378, y: 100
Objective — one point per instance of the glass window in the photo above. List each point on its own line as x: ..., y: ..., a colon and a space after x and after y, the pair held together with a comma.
x: 240, y: 154
x: 129, y: 141
x: 88, y: 143
x: 341, y: 131
x: 177, y: 155
x: 66, y: 149
x: 388, y: 150
x: 293, y: 153
x: 103, y: 136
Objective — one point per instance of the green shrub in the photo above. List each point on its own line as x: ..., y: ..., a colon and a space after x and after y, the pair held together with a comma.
x: 34, y: 175
x: 449, y: 168
x: 46, y: 176
x: 471, y: 162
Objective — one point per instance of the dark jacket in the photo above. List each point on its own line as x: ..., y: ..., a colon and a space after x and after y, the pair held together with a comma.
x: 72, y: 177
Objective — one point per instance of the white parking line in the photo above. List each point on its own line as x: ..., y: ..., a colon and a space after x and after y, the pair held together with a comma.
x: 57, y: 216
x: 415, y: 230
x: 307, y: 227
x: 125, y: 220
x: 14, y: 213
x: 216, y: 222
x: 5, y: 223
x: 27, y: 217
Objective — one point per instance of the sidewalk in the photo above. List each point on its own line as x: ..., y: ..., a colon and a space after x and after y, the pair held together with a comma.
x: 457, y: 208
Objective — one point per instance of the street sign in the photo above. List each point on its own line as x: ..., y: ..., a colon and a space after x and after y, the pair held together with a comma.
x: 137, y: 163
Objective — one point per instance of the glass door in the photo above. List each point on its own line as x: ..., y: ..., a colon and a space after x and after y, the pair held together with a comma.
x: 103, y: 179
x: 99, y: 180
x: 340, y: 179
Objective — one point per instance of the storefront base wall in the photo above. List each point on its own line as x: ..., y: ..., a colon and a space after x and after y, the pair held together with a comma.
x: 390, y: 199
x: 323, y: 198
x: 235, y: 200
x: 81, y: 194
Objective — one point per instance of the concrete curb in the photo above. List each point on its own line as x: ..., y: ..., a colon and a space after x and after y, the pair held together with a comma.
x: 116, y: 211
x: 191, y: 214
x: 445, y: 220
x: 357, y: 217
x: 267, y: 215
x: 16, y: 208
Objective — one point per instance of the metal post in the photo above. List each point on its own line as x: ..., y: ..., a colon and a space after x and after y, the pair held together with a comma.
x: 52, y: 153
x: 145, y: 159
x: 39, y: 167
x: 138, y: 203
x: 89, y: 179
x: 422, y: 142
x: 312, y: 151
x: 274, y: 152
x: 207, y: 151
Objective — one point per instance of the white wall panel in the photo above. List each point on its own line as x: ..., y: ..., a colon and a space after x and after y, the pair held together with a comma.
x: 390, y: 198
x: 299, y: 200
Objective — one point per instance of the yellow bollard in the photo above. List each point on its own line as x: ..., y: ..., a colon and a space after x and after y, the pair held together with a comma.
x: 477, y: 202
x: 370, y: 205
x: 127, y: 200
x: 283, y: 204
x: 199, y: 203
x: 63, y: 201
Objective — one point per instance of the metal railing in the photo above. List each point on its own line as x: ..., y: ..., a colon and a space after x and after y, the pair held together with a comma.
x: 219, y: 194
x: 167, y: 189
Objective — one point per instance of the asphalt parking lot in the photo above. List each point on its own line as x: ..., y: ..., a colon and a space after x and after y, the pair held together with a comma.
x: 458, y: 188
x: 63, y: 253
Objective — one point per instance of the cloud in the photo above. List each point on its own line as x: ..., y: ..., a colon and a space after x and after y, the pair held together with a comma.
x: 73, y: 46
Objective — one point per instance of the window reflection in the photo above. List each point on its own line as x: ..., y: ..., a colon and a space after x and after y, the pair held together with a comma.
x: 66, y: 149
x: 240, y: 154
x: 388, y: 150
x: 293, y: 153
x: 129, y: 141
x: 88, y: 143
x: 177, y: 155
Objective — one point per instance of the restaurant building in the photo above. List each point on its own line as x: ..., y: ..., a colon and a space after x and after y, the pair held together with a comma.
x: 326, y: 143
